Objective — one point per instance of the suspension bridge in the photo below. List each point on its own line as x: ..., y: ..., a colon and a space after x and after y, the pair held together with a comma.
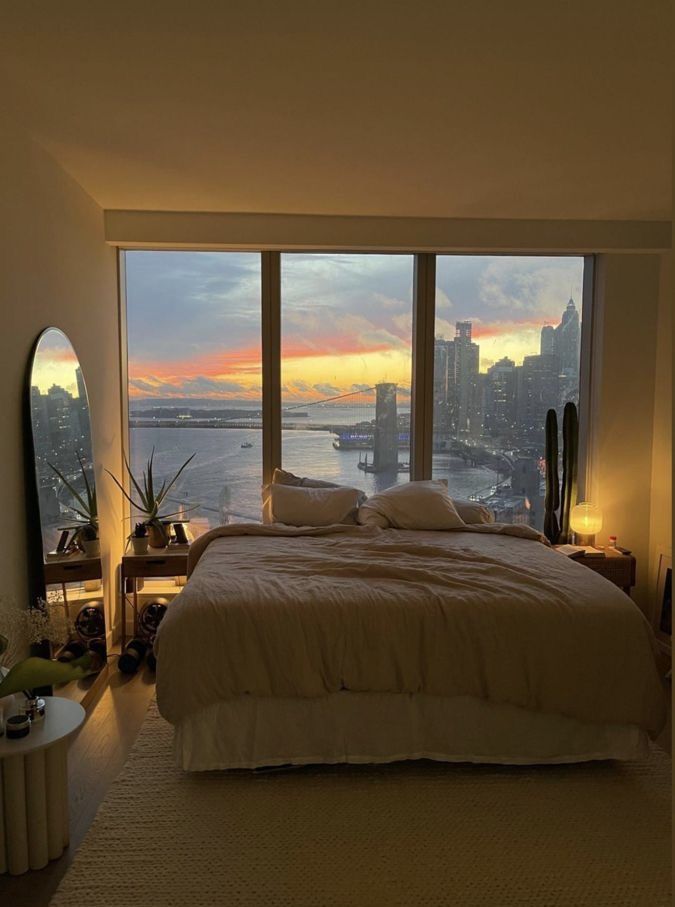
x: 366, y: 419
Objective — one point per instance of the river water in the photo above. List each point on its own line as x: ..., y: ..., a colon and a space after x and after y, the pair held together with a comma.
x: 224, y: 479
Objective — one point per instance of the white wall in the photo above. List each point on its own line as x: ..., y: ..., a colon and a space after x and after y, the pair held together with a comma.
x: 661, y: 523
x: 55, y: 269
x: 628, y: 479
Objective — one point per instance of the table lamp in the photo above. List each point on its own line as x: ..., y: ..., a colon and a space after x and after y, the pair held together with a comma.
x: 585, y: 521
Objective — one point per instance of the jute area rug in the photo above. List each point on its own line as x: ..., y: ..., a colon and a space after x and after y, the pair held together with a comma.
x: 406, y: 834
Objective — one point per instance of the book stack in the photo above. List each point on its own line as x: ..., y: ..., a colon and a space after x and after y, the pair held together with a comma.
x: 580, y: 551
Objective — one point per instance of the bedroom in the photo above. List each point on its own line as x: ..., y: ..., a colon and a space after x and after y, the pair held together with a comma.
x: 410, y: 153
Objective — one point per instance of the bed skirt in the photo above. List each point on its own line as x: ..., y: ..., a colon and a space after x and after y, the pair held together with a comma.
x: 254, y: 732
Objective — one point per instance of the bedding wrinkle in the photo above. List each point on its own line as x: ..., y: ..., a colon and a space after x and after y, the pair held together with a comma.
x: 492, y: 614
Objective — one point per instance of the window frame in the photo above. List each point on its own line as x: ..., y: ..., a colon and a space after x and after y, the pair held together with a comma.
x: 423, y: 336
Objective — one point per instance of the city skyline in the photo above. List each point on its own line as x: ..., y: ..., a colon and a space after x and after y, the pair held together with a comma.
x: 346, y: 319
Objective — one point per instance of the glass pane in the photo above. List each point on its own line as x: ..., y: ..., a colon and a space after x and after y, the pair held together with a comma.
x: 507, y: 347
x: 195, y: 379
x: 346, y: 366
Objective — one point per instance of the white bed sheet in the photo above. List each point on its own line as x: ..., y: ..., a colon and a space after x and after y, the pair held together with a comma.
x: 306, y: 613
x: 252, y: 732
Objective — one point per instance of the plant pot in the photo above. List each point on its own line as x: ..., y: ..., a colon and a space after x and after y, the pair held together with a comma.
x: 92, y: 548
x: 140, y: 545
x: 157, y: 535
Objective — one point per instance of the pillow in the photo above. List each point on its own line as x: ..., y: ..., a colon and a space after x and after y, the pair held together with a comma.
x: 472, y: 512
x: 367, y: 517
x: 414, y: 505
x: 282, y: 477
x: 298, y: 506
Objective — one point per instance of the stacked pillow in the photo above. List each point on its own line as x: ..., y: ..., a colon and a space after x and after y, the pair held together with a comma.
x: 414, y: 505
x: 303, y: 501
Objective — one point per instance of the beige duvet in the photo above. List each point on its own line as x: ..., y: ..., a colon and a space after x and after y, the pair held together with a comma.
x: 283, y: 612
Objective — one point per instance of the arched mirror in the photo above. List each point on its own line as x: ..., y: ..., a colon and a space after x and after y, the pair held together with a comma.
x: 65, y: 495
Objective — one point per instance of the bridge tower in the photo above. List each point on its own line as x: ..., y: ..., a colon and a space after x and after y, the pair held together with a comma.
x: 385, y: 454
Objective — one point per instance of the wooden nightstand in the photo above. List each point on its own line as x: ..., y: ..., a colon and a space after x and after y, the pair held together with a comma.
x: 72, y: 569
x: 164, y: 562
x: 618, y: 568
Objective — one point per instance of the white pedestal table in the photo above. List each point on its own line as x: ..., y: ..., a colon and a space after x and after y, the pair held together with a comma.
x: 34, y: 789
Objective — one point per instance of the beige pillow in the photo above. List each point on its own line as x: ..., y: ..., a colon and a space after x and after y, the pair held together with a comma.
x: 283, y: 477
x: 413, y: 505
x: 473, y: 512
x: 302, y: 506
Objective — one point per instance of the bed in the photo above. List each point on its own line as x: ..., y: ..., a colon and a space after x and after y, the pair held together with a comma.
x: 348, y: 643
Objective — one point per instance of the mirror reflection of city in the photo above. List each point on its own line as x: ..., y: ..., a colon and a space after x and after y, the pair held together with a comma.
x: 61, y: 431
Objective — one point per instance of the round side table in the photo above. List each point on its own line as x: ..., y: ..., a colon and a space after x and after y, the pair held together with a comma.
x: 34, y: 789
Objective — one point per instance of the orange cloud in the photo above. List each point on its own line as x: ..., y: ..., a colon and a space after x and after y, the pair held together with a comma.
x: 485, y: 330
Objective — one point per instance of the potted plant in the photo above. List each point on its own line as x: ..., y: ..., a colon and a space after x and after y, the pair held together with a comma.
x: 85, y: 506
x: 88, y: 540
x: 139, y: 539
x: 20, y: 677
x: 149, y: 501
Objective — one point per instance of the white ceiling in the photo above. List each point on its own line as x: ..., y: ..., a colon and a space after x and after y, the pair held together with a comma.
x: 480, y: 108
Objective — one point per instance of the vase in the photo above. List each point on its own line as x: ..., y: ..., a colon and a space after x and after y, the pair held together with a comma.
x: 92, y: 547
x: 157, y: 535
x: 140, y: 545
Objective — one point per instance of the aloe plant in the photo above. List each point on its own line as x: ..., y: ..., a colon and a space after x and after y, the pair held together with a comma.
x: 87, y: 505
x: 148, y: 500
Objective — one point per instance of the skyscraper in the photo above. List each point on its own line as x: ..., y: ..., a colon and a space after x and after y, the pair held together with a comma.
x: 444, y: 380
x: 568, y: 336
x: 538, y: 390
x: 500, y: 398
x: 466, y: 374
x: 548, y: 341
x: 563, y: 341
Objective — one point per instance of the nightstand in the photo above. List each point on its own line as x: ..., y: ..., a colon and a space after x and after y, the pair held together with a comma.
x: 618, y: 568
x: 164, y: 562
x: 72, y: 569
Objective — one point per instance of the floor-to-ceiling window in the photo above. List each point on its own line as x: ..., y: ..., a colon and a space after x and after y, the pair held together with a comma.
x: 346, y: 363
x: 195, y: 378
x: 507, y: 349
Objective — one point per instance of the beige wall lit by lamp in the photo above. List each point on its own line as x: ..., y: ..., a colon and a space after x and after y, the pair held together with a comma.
x: 586, y: 521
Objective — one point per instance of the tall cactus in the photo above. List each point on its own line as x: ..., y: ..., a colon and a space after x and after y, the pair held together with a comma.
x: 570, y: 468
x: 552, y: 499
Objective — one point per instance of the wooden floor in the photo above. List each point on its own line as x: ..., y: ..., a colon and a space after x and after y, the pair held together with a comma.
x: 97, y: 754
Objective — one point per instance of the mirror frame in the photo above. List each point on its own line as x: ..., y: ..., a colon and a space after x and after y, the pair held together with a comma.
x: 34, y: 548
x: 35, y: 553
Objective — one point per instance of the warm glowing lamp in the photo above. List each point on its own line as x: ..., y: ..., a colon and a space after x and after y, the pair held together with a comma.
x: 585, y: 521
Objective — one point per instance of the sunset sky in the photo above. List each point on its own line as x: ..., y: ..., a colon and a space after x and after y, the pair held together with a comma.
x: 194, y: 318
x: 55, y: 363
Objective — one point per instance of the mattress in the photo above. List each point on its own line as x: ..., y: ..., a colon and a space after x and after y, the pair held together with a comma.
x: 496, y: 616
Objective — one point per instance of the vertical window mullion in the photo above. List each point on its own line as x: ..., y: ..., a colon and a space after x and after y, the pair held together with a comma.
x: 424, y: 315
x: 271, y: 362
